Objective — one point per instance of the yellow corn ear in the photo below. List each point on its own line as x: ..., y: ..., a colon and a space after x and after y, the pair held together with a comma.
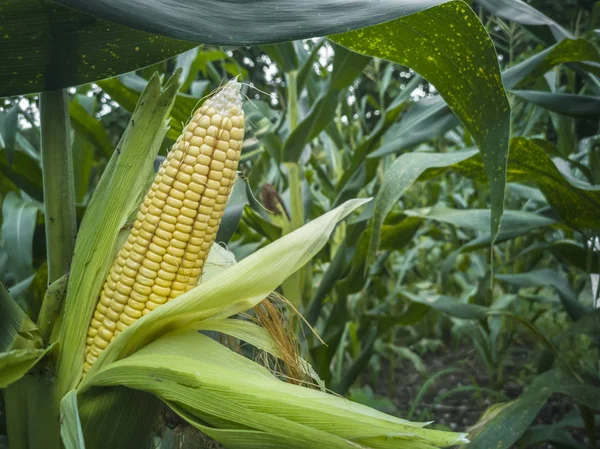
x: 177, y: 222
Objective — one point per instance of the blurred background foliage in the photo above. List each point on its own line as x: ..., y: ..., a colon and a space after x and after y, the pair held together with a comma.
x: 436, y: 326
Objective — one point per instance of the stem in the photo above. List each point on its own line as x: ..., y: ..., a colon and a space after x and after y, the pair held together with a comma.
x: 292, y: 91
x: 59, y: 185
x: 294, y: 286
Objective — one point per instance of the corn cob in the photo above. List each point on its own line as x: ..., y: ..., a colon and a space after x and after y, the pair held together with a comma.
x: 177, y: 222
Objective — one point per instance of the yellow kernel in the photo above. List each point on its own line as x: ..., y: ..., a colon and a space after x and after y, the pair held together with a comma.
x: 161, y: 291
x: 236, y: 133
x: 136, y: 305
x: 203, y: 122
x: 170, y: 210
x: 99, y: 342
x: 188, y: 212
x: 196, y: 141
x: 222, y: 145
x: 157, y: 249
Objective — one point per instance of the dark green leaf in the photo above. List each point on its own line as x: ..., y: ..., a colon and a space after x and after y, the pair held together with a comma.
x: 15, y: 364
x: 19, y: 219
x: 450, y: 47
x: 567, y: 50
x: 426, y: 120
x: 576, y: 202
x: 24, y: 172
x: 405, y: 170
x: 578, y: 106
x: 239, y: 22
x: 551, y: 278
x: 449, y: 306
x: 47, y: 46
x: 84, y: 123
x: 233, y: 212
x: 520, y: 12
x: 126, y: 91
x: 8, y: 131
x: 346, y: 67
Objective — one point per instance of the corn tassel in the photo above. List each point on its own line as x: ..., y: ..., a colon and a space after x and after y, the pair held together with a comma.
x: 177, y: 222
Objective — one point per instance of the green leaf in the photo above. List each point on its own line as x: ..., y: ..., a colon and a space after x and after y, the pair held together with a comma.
x: 449, y: 306
x: 17, y: 331
x: 426, y: 120
x: 520, y: 12
x: 514, y: 222
x: 8, y: 131
x: 16, y: 363
x: 126, y: 90
x: 243, y: 23
x: 503, y: 424
x: 551, y: 278
x: 62, y: 47
x: 449, y: 46
x: 115, y: 197
x: 576, y: 202
x: 233, y: 212
x: 577, y: 106
x: 83, y: 122
x: 347, y: 66
x: 403, y: 173
x: 24, y: 172
x: 118, y: 418
x: 18, y: 226
x: 70, y: 424
x: 567, y: 50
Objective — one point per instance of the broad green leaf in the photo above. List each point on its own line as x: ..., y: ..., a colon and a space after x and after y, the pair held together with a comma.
x: 449, y: 47
x: 62, y: 47
x: 233, y: 212
x: 16, y: 363
x: 347, y: 66
x: 24, y: 172
x: 520, y: 12
x: 70, y: 425
x: 83, y: 154
x: 574, y: 201
x: 577, y: 106
x: 232, y: 291
x: 13, y: 321
x: 243, y: 23
x: 426, y: 120
x: 126, y: 91
x: 118, y: 418
x: 18, y: 226
x: 8, y: 131
x: 503, y: 424
x: 567, y: 50
x: 574, y: 254
x: 449, y: 306
x: 84, y: 123
x: 402, y: 174
x: 550, y: 278
x: 115, y: 197
x: 513, y: 222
